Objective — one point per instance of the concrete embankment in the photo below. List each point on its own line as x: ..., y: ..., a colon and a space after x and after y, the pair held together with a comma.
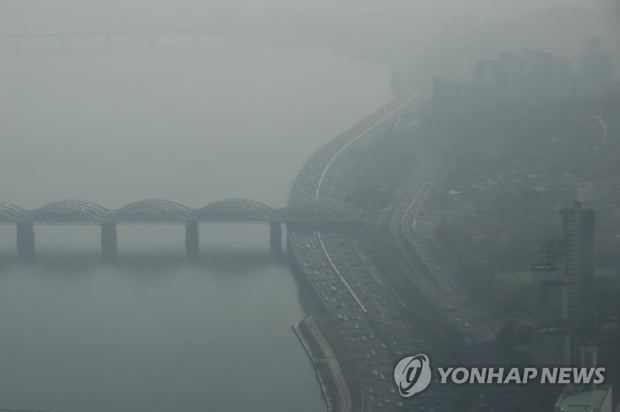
x: 329, y: 374
x: 336, y: 373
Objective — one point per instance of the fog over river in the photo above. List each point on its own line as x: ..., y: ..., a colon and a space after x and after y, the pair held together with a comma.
x: 194, y: 125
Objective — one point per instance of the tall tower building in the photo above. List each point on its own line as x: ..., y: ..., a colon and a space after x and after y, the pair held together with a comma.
x: 578, y: 224
x: 596, y: 67
x: 550, y: 326
x: 562, y: 302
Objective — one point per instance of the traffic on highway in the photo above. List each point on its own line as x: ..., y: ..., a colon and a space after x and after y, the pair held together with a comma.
x: 368, y: 315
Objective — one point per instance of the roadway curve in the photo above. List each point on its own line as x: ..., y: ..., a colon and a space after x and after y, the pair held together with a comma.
x: 322, y: 179
x: 369, y: 317
x: 424, y: 266
x: 402, y: 226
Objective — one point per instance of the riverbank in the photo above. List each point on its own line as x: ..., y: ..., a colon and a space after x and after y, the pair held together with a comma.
x: 338, y: 316
x: 335, y: 372
x: 328, y: 371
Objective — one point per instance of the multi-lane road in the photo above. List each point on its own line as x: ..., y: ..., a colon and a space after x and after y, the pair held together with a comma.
x: 370, y: 318
x: 412, y: 226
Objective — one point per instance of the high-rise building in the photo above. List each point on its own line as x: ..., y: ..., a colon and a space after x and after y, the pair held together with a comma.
x: 562, y: 303
x: 550, y: 326
x: 529, y: 76
x: 563, y: 79
x: 596, y: 68
x: 578, y: 225
x: 536, y: 74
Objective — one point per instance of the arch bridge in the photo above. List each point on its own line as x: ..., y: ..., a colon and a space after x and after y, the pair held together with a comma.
x: 310, y: 214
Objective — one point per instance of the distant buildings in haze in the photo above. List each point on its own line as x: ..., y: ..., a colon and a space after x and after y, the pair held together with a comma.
x: 530, y: 76
x: 562, y: 304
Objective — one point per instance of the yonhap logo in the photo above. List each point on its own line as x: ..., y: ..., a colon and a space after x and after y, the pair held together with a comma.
x: 412, y: 374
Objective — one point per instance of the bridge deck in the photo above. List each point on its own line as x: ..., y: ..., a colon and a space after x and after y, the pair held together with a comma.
x: 157, y: 211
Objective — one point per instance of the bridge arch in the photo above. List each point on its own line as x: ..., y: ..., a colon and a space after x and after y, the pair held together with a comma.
x: 158, y: 210
x: 235, y: 210
x: 68, y: 211
x: 9, y: 213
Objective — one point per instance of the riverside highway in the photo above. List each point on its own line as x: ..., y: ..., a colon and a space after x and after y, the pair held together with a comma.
x: 414, y: 237
x: 321, y: 181
x: 370, y: 319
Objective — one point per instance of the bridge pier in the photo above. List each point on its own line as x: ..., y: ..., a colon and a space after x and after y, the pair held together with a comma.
x: 275, y: 239
x: 109, y: 246
x: 25, y: 241
x: 192, y: 245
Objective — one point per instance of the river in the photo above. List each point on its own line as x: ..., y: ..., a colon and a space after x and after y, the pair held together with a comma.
x: 154, y: 332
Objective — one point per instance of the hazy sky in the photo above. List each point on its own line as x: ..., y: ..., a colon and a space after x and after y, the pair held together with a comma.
x: 373, y: 29
x: 24, y: 13
x: 329, y: 45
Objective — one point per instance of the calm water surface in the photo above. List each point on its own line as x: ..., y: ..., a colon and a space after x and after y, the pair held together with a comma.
x: 154, y: 332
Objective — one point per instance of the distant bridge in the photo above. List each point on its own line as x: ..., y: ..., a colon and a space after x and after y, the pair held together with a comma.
x: 315, y: 213
x: 103, y: 37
